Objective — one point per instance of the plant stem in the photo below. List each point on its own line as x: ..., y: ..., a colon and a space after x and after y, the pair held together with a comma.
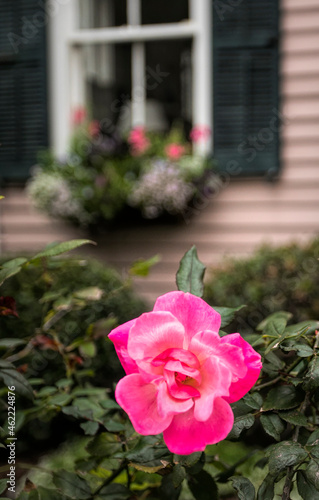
x: 116, y: 473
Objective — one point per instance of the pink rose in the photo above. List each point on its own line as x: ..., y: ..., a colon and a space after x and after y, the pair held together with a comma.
x: 138, y: 141
x: 174, y: 151
x: 181, y: 376
x: 79, y: 116
x: 199, y: 132
x: 94, y: 128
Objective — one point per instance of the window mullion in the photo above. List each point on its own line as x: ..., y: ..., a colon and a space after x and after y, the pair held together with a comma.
x: 138, y: 94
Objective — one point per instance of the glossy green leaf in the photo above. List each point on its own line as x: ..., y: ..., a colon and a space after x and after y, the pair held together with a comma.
x: 306, y: 489
x: 244, y: 488
x: 203, y: 486
x: 190, y: 275
x: 294, y: 417
x: 266, y: 490
x: 276, y: 320
x: 9, y: 343
x: 311, y: 382
x: 104, y: 445
x: 60, y: 248
x: 285, y: 454
x: 272, y: 425
x: 178, y: 475
x: 283, y: 397
x: 241, y: 423
x: 312, y: 473
x: 114, y: 492
x: 142, y: 267
x: 90, y: 428
x: 71, y: 485
x: 227, y: 314
x: 11, y: 377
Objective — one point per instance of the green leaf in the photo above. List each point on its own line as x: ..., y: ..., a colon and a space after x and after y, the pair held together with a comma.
x: 276, y: 320
x: 61, y: 399
x: 178, y: 475
x: 6, y: 273
x: 167, y: 490
x: 91, y: 293
x: 311, y: 382
x: 253, y: 400
x: 308, y: 326
x: 11, y: 377
x: 285, y: 454
x: 294, y: 417
x: 9, y: 343
x: 302, y: 350
x: 109, y: 404
x: 3, y: 485
x: 49, y: 494
x: 88, y: 349
x: 306, y: 489
x: 104, y: 445
x: 190, y: 275
x: 187, y: 460
x: 113, y: 426
x: 312, y: 473
x: 148, y: 451
x: 272, y: 425
x: 266, y: 490
x: 203, y: 486
x: 244, y: 488
x: 142, y: 267
x: 114, y: 492
x: 241, y: 423
x: 90, y: 428
x: 71, y: 485
x: 227, y: 314
x: 59, y: 248
x: 283, y: 397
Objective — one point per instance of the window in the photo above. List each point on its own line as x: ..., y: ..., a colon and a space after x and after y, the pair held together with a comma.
x: 134, y: 46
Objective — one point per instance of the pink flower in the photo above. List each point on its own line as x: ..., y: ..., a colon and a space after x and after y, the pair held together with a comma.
x: 138, y: 141
x: 199, y: 132
x: 94, y: 128
x: 174, y: 151
x: 78, y: 116
x: 180, y: 375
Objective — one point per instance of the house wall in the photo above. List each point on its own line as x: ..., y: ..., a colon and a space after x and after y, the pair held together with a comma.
x: 245, y: 213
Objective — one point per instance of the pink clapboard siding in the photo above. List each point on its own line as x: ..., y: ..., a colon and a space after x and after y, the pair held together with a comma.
x: 244, y: 214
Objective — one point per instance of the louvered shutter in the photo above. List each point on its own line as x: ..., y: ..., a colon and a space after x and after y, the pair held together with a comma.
x: 246, y: 116
x: 23, y: 95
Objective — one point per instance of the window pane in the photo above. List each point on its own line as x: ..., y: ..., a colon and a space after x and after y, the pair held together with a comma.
x: 155, y: 12
x: 102, y: 13
x: 169, y: 80
x: 108, y: 82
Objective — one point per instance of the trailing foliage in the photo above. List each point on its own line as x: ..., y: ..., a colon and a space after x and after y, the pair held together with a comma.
x: 119, y: 464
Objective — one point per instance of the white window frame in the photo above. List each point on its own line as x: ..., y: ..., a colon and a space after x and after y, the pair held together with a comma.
x: 67, y: 83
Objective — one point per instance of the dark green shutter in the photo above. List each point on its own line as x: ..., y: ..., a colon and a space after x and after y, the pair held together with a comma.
x: 246, y: 116
x: 23, y: 94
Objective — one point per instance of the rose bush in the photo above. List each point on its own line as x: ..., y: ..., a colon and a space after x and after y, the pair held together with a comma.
x: 181, y: 375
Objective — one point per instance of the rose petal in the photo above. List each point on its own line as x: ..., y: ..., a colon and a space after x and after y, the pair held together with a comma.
x: 152, y: 334
x: 119, y: 337
x: 252, y: 359
x: 186, y: 435
x: 193, y: 312
x: 168, y: 406
x: 139, y: 400
x: 216, y: 379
